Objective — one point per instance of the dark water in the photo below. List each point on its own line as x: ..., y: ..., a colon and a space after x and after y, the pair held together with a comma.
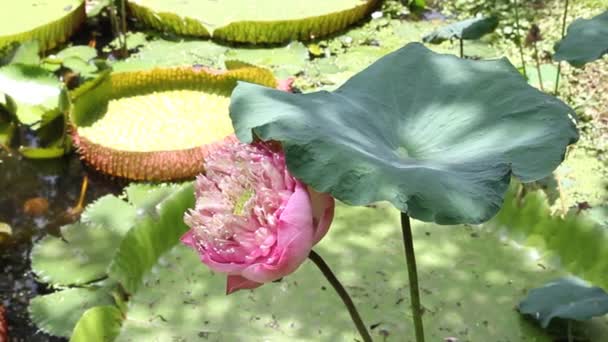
x: 59, y: 182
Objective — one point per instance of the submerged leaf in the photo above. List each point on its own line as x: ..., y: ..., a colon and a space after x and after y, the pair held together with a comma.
x: 437, y: 136
x: 469, y: 29
x: 568, y: 298
x: 585, y: 41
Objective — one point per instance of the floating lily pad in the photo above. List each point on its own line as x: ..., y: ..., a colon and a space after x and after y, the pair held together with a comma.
x: 437, y: 136
x: 469, y: 29
x: 155, y: 124
x: 50, y: 22
x: 568, y: 298
x: 266, y: 21
x: 585, y: 41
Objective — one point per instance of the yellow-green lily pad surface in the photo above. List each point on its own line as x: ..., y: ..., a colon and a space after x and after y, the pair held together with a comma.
x: 50, y: 21
x: 156, y: 124
x: 262, y: 21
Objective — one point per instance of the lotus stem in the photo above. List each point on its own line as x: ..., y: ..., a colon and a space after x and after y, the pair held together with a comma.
x: 559, y: 64
x: 570, y: 336
x: 352, y: 310
x: 540, y: 79
x: 461, y: 48
x: 410, y: 258
x: 518, y: 35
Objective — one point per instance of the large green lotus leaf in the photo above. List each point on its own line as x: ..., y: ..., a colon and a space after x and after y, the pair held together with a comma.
x: 579, y: 244
x: 82, y: 254
x: 585, y: 41
x: 98, y: 324
x: 437, y: 136
x: 36, y: 95
x: 57, y: 313
x: 50, y: 22
x: 471, y: 281
x: 262, y: 21
x: 151, y: 237
x: 145, y: 197
x: 568, y: 298
x: 469, y: 29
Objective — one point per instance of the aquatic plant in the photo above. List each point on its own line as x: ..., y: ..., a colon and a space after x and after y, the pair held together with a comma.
x: 430, y: 133
x: 155, y: 124
x: 259, y: 23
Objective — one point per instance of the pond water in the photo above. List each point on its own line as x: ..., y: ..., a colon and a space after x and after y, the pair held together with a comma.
x: 26, y: 186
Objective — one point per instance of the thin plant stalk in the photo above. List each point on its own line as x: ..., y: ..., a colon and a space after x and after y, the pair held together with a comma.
x: 570, y: 336
x: 518, y: 35
x: 410, y: 259
x: 461, y: 48
x: 123, y: 17
x: 348, y: 302
x: 540, y: 79
x: 559, y: 64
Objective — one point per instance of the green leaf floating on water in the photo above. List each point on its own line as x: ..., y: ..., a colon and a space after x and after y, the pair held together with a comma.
x: 437, y: 136
x: 265, y: 21
x: 469, y: 29
x: 50, y: 22
x: 585, y: 41
x: 568, y: 298
x: 34, y: 94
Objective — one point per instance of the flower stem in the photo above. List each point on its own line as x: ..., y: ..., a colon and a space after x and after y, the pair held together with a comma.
x: 559, y: 64
x: 354, y: 314
x: 518, y: 35
x: 540, y: 78
x: 410, y: 258
x: 461, y: 48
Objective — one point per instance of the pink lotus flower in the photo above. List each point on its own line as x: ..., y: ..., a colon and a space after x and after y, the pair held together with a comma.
x: 252, y: 219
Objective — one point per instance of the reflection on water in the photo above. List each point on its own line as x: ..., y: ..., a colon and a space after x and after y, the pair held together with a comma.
x: 26, y: 188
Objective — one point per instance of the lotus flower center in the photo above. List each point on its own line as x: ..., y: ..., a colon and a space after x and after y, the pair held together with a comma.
x: 239, y: 202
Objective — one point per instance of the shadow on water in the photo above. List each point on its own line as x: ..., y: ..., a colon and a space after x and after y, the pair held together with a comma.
x: 58, y: 182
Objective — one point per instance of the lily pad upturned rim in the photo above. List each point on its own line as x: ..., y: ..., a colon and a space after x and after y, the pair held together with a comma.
x: 50, y: 34
x: 153, y: 165
x: 437, y: 136
x: 255, y: 31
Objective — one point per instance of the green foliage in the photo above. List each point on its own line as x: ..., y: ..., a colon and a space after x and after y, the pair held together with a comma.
x: 33, y: 94
x: 110, y: 230
x: 57, y: 313
x: 586, y: 41
x: 567, y: 298
x: 469, y: 29
x: 580, y: 245
x: 150, y: 238
x: 98, y: 324
x: 422, y: 130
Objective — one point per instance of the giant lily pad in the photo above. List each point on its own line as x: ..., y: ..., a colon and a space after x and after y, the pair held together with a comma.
x: 469, y: 29
x: 436, y: 135
x: 155, y: 124
x: 586, y: 41
x: 568, y: 298
x: 266, y: 21
x: 50, y: 22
